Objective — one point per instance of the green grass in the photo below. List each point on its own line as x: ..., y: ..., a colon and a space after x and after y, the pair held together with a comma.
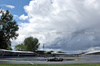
x: 50, y: 65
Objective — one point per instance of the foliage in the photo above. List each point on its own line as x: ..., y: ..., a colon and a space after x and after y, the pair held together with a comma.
x: 49, y: 52
x: 31, y: 44
x: 8, y: 28
x: 19, y: 47
x: 60, y: 52
x: 9, y: 48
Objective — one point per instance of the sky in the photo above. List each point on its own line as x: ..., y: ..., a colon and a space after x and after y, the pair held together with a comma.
x: 71, y: 26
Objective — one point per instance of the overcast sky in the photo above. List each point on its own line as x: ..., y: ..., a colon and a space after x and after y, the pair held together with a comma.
x: 72, y: 26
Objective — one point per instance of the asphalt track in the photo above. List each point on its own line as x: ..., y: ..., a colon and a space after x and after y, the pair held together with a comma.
x: 39, y: 60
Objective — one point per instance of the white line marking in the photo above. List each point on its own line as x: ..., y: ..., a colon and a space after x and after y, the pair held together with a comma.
x: 30, y: 62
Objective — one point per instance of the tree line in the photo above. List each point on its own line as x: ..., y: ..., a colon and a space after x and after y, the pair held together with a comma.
x: 8, y: 32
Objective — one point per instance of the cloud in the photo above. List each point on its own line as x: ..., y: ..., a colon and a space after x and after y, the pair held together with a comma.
x: 23, y: 17
x: 10, y: 6
x: 15, y: 16
x: 67, y: 25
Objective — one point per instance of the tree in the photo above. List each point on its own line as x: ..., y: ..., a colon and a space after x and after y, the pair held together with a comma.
x: 9, y: 48
x: 20, y: 47
x: 60, y: 52
x: 49, y: 52
x: 31, y: 44
x: 8, y: 28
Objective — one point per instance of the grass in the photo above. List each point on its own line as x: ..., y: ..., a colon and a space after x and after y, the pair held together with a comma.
x: 50, y: 65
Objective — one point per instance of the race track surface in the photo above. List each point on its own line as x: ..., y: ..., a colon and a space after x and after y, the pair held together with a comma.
x: 39, y: 60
